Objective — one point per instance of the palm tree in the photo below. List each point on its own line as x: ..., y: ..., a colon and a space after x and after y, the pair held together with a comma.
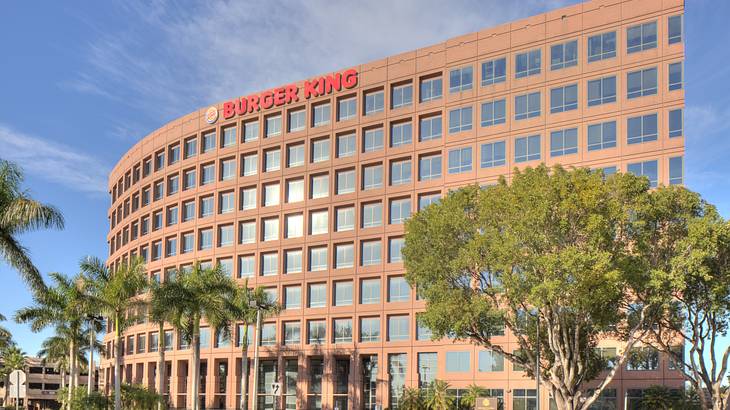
x: 13, y: 359
x: 438, y: 396
x: 473, y: 392
x: 53, y: 351
x: 6, y: 339
x: 65, y: 306
x: 19, y: 213
x: 117, y: 295
x: 161, y: 308
x: 412, y: 399
x: 250, y: 306
x: 200, y: 294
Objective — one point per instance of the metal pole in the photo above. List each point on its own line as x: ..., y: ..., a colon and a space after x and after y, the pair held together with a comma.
x: 90, y: 378
x: 17, y: 390
x: 537, y: 362
x: 257, y: 335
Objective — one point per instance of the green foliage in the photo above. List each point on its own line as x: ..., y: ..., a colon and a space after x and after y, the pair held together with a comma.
x: 412, y: 399
x: 663, y: 398
x: 473, y: 392
x: 438, y: 396
x: 81, y: 400
x: 19, y: 214
x: 138, y: 397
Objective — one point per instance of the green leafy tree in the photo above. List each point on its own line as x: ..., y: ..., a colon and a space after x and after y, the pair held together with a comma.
x: 64, y: 305
x: 117, y: 294
x: 20, y: 213
x: 412, y: 399
x: 438, y: 396
x: 245, y: 306
x: 473, y: 392
x: 162, y: 308
x: 201, y: 294
x: 81, y: 399
x: 13, y: 359
x: 137, y: 397
x: 661, y: 398
x: 568, y: 249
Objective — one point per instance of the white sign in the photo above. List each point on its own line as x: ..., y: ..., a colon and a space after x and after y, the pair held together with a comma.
x: 276, y: 389
x: 17, y: 384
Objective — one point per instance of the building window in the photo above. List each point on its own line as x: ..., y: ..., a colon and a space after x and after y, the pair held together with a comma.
x: 642, y: 129
x: 372, y: 177
x: 372, y: 139
x: 460, y: 160
x: 318, y: 222
x: 601, y: 91
x: 346, y: 109
x: 643, y: 358
x: 342, y: 330
x: 494, y: 71
x: 320, y: 186
x: 602, y: 46
x: 676, y: 170
x: 318, y: 258
x: 159, y: 160
x: 321, y: 114
x: 400, y: 134
x: 398, y: 289
x: 297, y: 120
x: 292, y: 333
x: 564, y: 142
x: 675, y: 29
x: 229, y: 137
x: 346, y: 145
x: 493, y: 154
x: 272, y: 160
x: 294, y: 190
x: 460, y: 119
x: 269, y: 264
x: 676, y: 123
x: 641, y: 37
x: 429, y: 167
x: 173, y: 185
x: 191, y: 147
x: 524, y: 399
x: 246, y: 266
x: 209, y: 140
x: 430, y: 128
x: 371, y: 252
x: 207, y: 174
x: 564, y: 55
x: 400, y: 210
x: 188, y: 242
x: 320, y: 150
x: 642, y: 83
x: 431, y: 89
x: 374, y: 102
x: 647, y: 169
x: 317, y: 295
x: 427, y: 369
x: 528, y: 63
x: 271, y: 194
x: 316, y: 332
x: 345, y: 182
x: 273, y: 126
x: 188, y: 179
x: 395, y: 250
x: 458, y: 362
x: 268, y: 334
x: 400, y: 172
x: 248, y: 198
x: 171, y: 246
x: 225, y: 235
x: 564, y: 98
x: 602, y: 136
x: 250, y: 131
x: 343, y: 293
x: 370, y: 292
x: 402, y: 95
x: 527, y: 148
x: 494, y: 112
x: 293, y: 261
x: 490, y: 361
x: 460, y: 79
x: 398, y: 328
x: 295, y: 155
x: 527, y: 106
x: 344, y: 255
x: 250, y: 164
x: 294, y: 226
x: 369, y: 329
x: 676, y: 79
x: 205, y: 239
x: 247, y: 232
x: 271, y: 229
x: 173, y: 155
x: 228, y: 169
x: 345, y: 219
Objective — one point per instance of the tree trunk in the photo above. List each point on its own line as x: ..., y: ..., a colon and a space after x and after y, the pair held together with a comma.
x: 71, y: 369
x: 90, y: 377
x: 244, y: 367
x: 256, y: 360
x: 117, y: 366
x: 196, y: 366
x: 161, y: 362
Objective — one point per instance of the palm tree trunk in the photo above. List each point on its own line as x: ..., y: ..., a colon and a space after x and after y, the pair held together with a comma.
x: 160, y: 363
x: 196, y: 366
x: 244, y: 367
x: 63, y: 378
x: 90, y: 377
x: 6, y: 383
x: 71, y: 368
x: 256, y: 360
x: 117, y: 366
x: 77, y: 367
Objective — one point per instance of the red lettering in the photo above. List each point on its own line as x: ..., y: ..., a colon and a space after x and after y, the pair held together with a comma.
x: 253, y: 103
x: 292, y: 92
x: 320, y: 85
x: 241, y: 106
x: 267, y: 100
x: 333, y: 82
x: 279, y: 95
x: 349, y: 78
x: 228, y: 110
x: 310, y: 90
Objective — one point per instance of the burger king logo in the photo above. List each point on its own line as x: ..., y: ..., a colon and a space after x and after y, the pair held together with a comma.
x: 211, y: 116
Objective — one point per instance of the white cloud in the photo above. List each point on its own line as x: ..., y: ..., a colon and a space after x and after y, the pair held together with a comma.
x: 172, y: 60
x: 54, y: 162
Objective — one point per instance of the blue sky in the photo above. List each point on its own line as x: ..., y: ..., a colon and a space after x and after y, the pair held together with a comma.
x: 81, y: 82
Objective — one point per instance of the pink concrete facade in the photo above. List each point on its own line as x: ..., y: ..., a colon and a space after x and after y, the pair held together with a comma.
x: 133, y: 193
